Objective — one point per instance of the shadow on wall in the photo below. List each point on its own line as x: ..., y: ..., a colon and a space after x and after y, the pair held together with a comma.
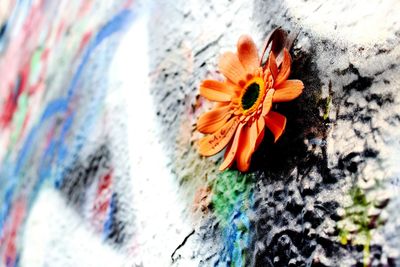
x: 296, y: 197
x: 303, y: 123
x: 288, y: 222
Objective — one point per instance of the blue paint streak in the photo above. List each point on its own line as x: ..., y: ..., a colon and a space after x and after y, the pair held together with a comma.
x: 57, y: 106
x: 16, y: 89
x: 54, y: 107
x: 110, y: 217
x: 61, y: 105
x: 118, y: 23
x: 3, y: 29
x: 236, y: 235
x: 48, y: 156
x: 62, y: 149
x: 5, y: 208
x: 17, y: 260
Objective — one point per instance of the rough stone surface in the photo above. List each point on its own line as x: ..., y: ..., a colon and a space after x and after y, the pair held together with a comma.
x: 342, y: 132
x: 98, y: 108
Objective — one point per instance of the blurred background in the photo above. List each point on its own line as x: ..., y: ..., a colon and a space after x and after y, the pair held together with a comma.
x: 98, y: 159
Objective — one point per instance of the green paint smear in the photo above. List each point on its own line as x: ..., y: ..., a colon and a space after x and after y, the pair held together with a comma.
x: 327, y: 107
x: 35, y: 65
x: 229, y: 188
x: 356, y: 216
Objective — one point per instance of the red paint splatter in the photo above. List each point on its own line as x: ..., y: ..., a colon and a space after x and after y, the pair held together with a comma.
x: 45, y: 55
x: 11, y: 104
x: 85, y: 40
x: 128, y: 4
x: 40, y: 84
x: 102, y: 201
x: 60, y: 30
x: 85, y: 8
x: 50, y: 135
x: 20, y: 48
x: 25, y: 123
x: 10, y: 232
x: 8, y: 109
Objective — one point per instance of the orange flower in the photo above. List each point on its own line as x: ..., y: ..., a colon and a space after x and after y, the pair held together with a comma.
x: 244, y: 102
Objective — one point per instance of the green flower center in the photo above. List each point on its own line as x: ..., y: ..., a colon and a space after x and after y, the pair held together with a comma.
x: 250, y: 97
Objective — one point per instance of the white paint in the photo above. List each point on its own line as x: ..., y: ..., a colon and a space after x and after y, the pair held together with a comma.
x: 55, y: 235
x: 357, y: 21
x: 160, y: 221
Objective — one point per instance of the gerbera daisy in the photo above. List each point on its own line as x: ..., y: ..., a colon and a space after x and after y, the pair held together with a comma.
x: 244, y: 100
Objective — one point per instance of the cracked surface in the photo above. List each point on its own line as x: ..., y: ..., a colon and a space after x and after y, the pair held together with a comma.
x: 95, y: 163
x: 342, y: 131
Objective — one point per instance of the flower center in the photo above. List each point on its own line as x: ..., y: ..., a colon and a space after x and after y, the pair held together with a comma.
x: 252, y: 95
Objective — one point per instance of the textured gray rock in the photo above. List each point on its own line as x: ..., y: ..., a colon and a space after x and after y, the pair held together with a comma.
x: 342, y: 132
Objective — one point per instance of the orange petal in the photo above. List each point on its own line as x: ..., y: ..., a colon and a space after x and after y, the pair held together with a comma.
x: 247, y: 144
x: 261, y: 131
x: 267, y: 103
x: 221, y: 104
x: 288, y: 90
x: 247, y: 53
x: 231, y: 67
x: 215, y: 91
x: 276, y: 123
x: 213, y: 120
x: 234, y: 89
x: 284, y: 70
x: 272, y: 65
x: 230, y: 152
x: 214, y: 143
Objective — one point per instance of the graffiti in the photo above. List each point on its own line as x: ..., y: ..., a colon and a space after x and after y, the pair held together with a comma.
x: 232, y: 196
x: 46, y: 120
x: 99, y: 166
x: 360, y: 219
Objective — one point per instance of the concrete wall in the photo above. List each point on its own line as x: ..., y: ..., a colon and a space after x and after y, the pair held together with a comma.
x: 98, y: 160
